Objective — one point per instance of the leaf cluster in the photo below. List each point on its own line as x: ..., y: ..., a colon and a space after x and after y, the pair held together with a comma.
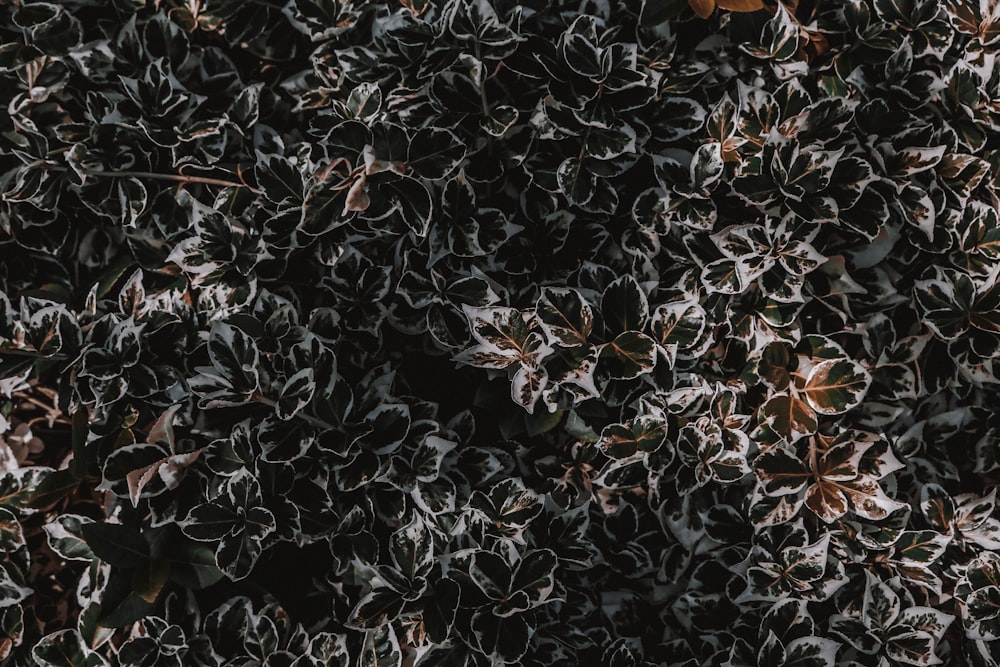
x: 474, y: 332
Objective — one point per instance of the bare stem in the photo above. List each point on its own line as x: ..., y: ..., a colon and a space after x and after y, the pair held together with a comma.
x: 813, y: 463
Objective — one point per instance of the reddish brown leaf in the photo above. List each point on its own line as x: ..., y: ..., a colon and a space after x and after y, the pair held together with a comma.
x: 357, y: 198
x: 827, y: 501
x: 741, y: 5
x: 703, y: 8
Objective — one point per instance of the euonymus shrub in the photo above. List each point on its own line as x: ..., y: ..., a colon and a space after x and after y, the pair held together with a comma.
x: 476, y: 332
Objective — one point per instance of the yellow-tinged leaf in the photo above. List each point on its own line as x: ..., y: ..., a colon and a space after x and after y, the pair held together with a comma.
x: 741, y: 5
x: 703, y: 8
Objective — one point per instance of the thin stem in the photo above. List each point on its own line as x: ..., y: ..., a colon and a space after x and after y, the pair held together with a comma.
x: 177, y: 178
x: 813, y: 463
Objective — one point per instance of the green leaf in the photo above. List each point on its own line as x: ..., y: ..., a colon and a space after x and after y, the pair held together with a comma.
x: 381, y: 649
x: 984, y: 604
x: 18, y: 487
x: 937, y: 506
x: 576, y: 182
x: 827, y: 500
x: 492, y: 574
x: 120, y: 605
x: 191, y: 565
x: 911, y: 648
x: 429, y: 456
x: 504, y: 639
x: 707, y: 166
x: 508, y: 503
x: 377, y: 609
x: 150, y: 577
x: 869, y: 500
x: 11, y: 531
x: 624, y: 306
x: 779, y: 38
x: 920, y: 547
x: 50, y: 490
x: 773, y: 366
x: 115, y: 544
x: 835, y: 386
x: 64, y: 648
x: 565, y: 316
x: 234, y: 354
x: 237, y: 553
x: 527, y: 385
x: 918, y: 210
x: 441, y: 609
x: 65, y: 537
x: 780, y: 472
x: 678, y: 326
x: 880, y: 606
x: 278, y: 178
x: 413, y: 204
x: 947, y: 301
x: 914, y: 159
x: 811, y: 652
x: 579, y: 429
x: 658, y: 12
x: 926, y: 619
x: 643, y: 434
x: 629, y: 355
x: 534, y: 574
x: 11, y: 629
x: 11, y: 592
x: 412, y: 548
x: 536, y: 423
x: 295, y: 394
x: 435, y: 498
x: 724, y: 276
x: 78, y: 436
x: 434, y: 153
x: 209, y: 522
x: 245, y: 109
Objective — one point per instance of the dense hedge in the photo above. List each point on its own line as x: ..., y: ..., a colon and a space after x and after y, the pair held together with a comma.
x: 469, y: 332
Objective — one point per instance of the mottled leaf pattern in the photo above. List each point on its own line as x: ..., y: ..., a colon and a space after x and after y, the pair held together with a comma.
x: 656, y: 332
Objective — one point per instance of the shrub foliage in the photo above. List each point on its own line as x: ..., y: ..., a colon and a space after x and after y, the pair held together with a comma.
x: 474, y: 332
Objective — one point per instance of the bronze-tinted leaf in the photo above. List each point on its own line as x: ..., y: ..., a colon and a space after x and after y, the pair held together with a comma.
x: 789, y: 416
x: 703, y: 8
x: 827, y: 501
x: 740, y: 5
